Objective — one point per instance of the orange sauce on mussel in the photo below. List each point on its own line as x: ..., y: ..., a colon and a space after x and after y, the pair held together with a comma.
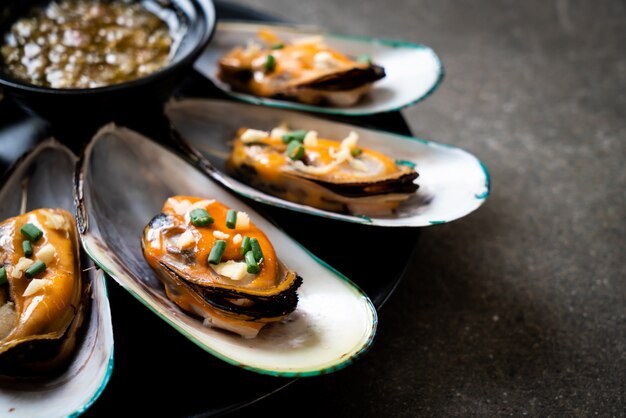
x: 182, y: 251
x: 205, y: 240
x: 339, y: 176
x: 278, y: 65
x: 45, y: 303
x: 270, y: 160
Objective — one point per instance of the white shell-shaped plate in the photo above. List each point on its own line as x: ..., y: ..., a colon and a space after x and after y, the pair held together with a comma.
x: 124, y: 180
x: 452, y: 182
x: 44, y: 178
x: 413, y: 71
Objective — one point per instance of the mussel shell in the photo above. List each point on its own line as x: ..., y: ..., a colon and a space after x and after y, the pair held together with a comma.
x: 334, y: 322
x: 403, y: 183
x: 452, y: 182
x: 412, y: 71
x: 347, y: 80
x: 380, y: 195
x: 39, y: 179
x: 340, y: 89
x: 264, y: 309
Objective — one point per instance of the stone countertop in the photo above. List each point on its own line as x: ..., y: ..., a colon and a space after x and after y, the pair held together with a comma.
x: 518, y: 309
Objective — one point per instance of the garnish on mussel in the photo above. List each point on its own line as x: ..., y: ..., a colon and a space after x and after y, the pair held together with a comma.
x: 215, y: 263
x: 305, y: 70
x: 338, y: 176
x: 41, y: 303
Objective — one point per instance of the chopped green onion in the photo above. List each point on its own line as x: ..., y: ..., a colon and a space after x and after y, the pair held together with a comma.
x: 28, y: 248
x: 36, y: 268
x: 245, y: 245
x: 31, y: 232
x: 3, y: 275
x: 278, y: 46
x: 364, y: 59
x: 200, y: 217
x: 256, y: 249
x: 294, y: 136
x: 217, y: 251
x: 251, y: 264
x: 231, y: 219
x: 270, y: 63
x: 295, y: 150
x: 356, y: 152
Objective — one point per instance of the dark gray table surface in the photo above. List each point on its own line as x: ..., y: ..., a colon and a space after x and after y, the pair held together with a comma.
x: 518, y: 309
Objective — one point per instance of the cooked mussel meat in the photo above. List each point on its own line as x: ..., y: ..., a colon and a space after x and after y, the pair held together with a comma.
x: 305, y: 70
x: 215, y: 263
x: 338, y: 176
x: 41, y: 291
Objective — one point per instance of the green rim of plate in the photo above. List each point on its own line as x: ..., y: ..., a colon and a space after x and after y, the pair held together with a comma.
x: 109, y: 371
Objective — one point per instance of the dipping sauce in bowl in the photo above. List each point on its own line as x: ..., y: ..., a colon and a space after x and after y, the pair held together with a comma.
x: 80, y: 64
x: 89, y: 43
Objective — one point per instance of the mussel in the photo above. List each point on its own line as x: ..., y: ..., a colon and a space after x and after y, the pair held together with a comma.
x: 215, y: 263
x: 305, y: 70
x: 42, y: 302
x: 338, y: 176
x: 56, y: 339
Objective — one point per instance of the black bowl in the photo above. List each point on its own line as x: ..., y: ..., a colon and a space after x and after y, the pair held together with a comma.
x: 74, y: 113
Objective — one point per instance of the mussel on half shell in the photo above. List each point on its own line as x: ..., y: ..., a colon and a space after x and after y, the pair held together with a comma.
x: 304, y: 70
x: 42, y: 297
x: 56, y: 347
x: 226, y: 272
x: 334, y: 321
x: 338, y: 176
x: 452, y: 182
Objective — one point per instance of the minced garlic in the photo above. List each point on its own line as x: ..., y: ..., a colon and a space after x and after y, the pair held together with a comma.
x: 22, y: 264
x: 253, y: 135
x: 339, y: 157
x: 186, y: 240
x: 243, y: 220
x: 34, y: 286
x: 181, y: 208
x: 55, y: 221
x: 46, y: 253
x: 235, y: 270
x: 310, y: 139
x: 220, y: 235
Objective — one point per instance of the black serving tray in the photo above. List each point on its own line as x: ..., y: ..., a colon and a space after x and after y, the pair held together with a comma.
x: 157, y: 371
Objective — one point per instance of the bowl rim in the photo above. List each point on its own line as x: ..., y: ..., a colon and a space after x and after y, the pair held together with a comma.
x: 207, y: 14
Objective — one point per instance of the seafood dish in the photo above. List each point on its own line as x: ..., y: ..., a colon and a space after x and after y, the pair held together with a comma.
x: 409, y: 181
x: 315, y: 70
x: 42, y: 297
x: 304, y: 70
x: 215, y: 263
x: 303, y: 167
x: 211, y: 266
x: 87, y: 44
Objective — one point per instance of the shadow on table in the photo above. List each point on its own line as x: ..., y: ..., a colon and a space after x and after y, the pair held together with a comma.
x: 463, y: 334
